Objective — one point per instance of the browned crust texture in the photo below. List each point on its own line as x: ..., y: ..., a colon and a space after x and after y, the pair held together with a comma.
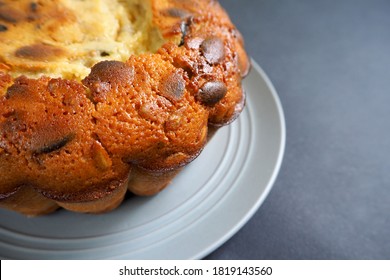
x: 74, y: 143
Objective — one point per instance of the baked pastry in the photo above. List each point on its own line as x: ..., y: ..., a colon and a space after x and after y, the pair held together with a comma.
x: 100, y: 97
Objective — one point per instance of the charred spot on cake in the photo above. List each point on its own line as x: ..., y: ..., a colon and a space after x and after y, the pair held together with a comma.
x: 10, y: 14
x: 3, y: 28
x: 173, y: 86
x: 40, y: 52
x: 34, y: 7
x: 213, y: 50
x: 33, y: 13
x: 211, y: 92
x: 54, y: 145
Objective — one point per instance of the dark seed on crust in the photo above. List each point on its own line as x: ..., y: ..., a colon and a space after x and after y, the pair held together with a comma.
x: 33, y: 6
x: 184, y: 31
x: 213, y: 50
x: 173, y: 87
x: 104, y: 53
x: 3, y: 28
x: 55, y: 145
x: 211, y: 92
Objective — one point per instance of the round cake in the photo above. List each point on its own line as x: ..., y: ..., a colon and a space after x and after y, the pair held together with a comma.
x: 102, y: 97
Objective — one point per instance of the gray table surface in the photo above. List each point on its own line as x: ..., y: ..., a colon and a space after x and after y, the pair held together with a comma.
x: 329, y: 61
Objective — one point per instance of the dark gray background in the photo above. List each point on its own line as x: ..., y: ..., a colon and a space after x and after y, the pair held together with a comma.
x: 329, y: 61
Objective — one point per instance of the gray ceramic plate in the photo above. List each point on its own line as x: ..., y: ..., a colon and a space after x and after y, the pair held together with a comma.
x: 205, y: 205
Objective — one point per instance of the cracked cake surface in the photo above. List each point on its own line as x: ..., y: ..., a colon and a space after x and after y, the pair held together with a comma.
x: 98, y: 98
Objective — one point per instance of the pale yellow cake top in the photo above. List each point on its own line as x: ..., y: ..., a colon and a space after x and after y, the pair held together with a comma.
x: 65, y: 38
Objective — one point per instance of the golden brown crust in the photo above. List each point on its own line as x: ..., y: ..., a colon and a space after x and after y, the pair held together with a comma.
x: 76, y: 142
x: 145, y: 183
x: 29, y: 202
x: 110, y: 201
